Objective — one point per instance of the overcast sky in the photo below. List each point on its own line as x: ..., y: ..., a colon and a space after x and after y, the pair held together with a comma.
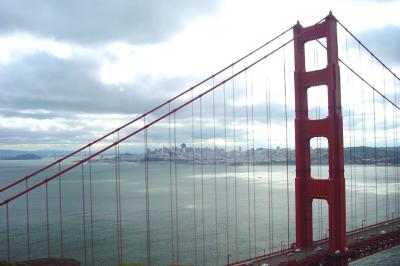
x: 73, y: 70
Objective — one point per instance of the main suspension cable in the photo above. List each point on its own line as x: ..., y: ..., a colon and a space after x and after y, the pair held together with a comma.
x: 364, y: 80
x: 371, y: 53
x: 145, y: 126
x: 149, y: 112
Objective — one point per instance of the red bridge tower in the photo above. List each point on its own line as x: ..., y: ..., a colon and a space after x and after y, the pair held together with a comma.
x: 307, y: 188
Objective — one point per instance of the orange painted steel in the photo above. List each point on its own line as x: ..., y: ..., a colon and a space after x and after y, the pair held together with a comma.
x: 307, y: 188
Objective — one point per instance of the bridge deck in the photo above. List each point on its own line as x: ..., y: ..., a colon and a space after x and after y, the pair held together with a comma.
x: 361, y: 243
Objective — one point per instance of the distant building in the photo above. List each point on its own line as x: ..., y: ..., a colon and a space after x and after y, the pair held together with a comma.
x: 183, y: 147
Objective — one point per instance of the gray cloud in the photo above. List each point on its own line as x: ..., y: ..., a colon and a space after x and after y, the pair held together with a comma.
x: 41, y: 87
x: 44, y: 82
x: 136, y: 21
x: 384, y: 42
x: 26, y: 136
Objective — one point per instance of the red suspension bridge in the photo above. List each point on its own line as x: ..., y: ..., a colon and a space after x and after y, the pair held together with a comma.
x: 247, y: 167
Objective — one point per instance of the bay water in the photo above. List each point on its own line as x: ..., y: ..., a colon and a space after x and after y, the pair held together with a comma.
x: 201, y: 214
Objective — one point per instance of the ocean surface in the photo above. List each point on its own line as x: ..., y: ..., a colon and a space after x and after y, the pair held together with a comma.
x: 217, y: 212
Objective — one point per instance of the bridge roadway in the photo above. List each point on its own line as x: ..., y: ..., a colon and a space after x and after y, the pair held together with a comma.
x: 361, y: 243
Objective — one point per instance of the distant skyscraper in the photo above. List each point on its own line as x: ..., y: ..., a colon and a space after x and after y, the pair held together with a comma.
x: 183, y: 147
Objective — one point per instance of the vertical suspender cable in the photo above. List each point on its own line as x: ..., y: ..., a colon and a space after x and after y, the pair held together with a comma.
x: 350, y: 147
x: 176, y: 193
x: 364, y: 144
x: 235, y: 166
x: 147, y: 198
x: 394, y: 122
x: 194, y: 186
x: 8, y: 233
x: 385, y: 119
x: 386, y: 149
x: 375, y: 160
x: 84, y: 216
x: 60, y: 212
x: 269, y: 170
x: 287, y: 150
x: 254, y: 173
x: 362, y: 133
x: 355, y: 169
x: 215, y: 178
x: 351, y: 172
x: 170, y: 188
x: 202, y: 184
x: 28, y: 242
x: 91, y: 207
x: 248, y: 164
x: 396, y: 151
x: 226, y: 178
x: 365, y: 48
x: 47, y: 220
x: 268, y: 202
x: 271, y: 187
x: 375, y: 152
x: 117, y: 202
x: 318, y: 154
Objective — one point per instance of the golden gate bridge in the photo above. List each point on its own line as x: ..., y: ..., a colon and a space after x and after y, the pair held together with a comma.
x: 287, y: 156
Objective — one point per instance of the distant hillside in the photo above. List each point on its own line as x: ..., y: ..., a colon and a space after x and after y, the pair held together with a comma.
x: 23, y: 157
x: 361, y: 155
x: 42, y: 153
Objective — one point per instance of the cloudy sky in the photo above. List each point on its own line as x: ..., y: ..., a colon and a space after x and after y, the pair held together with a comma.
x: 73, y: 70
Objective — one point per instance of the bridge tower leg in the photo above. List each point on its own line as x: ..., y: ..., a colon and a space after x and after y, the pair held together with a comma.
x: 307, y: 188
